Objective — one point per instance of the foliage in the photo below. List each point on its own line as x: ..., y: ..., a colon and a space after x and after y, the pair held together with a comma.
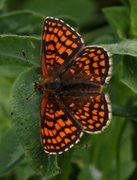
x: 109, y: 155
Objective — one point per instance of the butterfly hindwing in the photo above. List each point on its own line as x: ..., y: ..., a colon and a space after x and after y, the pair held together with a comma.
x: 59, y: 131
x: 60, y: 43
x: 93, y: 112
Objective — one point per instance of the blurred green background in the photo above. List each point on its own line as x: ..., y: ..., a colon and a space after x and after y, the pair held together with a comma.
x: 111, y: 155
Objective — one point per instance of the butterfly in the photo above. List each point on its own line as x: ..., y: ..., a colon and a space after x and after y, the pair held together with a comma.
x: 73, y: 76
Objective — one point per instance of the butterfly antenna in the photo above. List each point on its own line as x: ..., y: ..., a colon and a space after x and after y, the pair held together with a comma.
x: 30, y: 65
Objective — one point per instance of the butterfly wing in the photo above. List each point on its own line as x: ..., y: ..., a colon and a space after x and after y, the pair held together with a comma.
x: 59, y: 131
x: 60, y: 43
x: 93, y: 112
x: 92, y: 64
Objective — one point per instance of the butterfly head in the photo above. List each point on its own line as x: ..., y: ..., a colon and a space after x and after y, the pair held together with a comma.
x: 38, y: 86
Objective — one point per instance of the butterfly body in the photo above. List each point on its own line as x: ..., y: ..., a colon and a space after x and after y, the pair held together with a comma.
x: 73, y: 78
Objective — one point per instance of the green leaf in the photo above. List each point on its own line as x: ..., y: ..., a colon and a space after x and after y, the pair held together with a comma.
x: 11, y: 151
x: 2, y: 3
x: 126, y: 47
x: 23, y: 171
x: 69, y: 8
x: 11, y: 48
x: 21, y: 22
x: 89, y: 172
x: 128, y: 112
x: 133, y: 17
x: 118, y: 18
x: 26, y: 114
x: 129, y: 74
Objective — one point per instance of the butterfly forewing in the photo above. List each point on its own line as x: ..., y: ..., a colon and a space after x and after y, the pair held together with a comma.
x: 59, y: 131
x: 92, y: 64
x: 60, y: 43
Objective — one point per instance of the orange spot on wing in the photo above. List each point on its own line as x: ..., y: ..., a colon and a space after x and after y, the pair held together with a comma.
x: 73, y: 137
x: 91, y: 121
x: 68, y: 33
x: 63, y: 38
x: 55, y: 39
x: 49, y: 140
x: 54, y: 141
x: 73, y: 128
x: 47, y: 37
x: 67, y: 140
x: 99, y: 51
x: 58, y: 139
x: 74, y: 37
x: 95, y: 64
x: 101, y: 113
x: 59, y: 113
x: 98, y: 125
x: 68, y: 42
x: 94, y: 112
x: 67, y: 131
x: 102, y: 106
x: 60, y: 33
x: 96, y: 71
x: 74, y: 45
x: 98, y: 78
x: 72, y: 105
x: 50, y: 115
x: 62, y: 49
x: 95, y: 118
x: 57, y: 126
x: 69, y: 51
x: 49, y: 123
x: 87, y: 62
x: 103, y: 70
x: 91, y: 127
x: 62, y: 134
x: 68, y: 122
x: 101, y: 120
x: 61, y: 122
x: 86, y: 109
x: 86, y: 114
x: 102, y: 63
x: 59, y: 24
x: 72, y: 71
x: 77, y: 117
x: 92, y: 50
x: 52, y: 37
x: 83, y: 117
x: 58, y: 45
x: 60, y: 61
x: 62, y: 144
x: 50, y: 29
x: 102, y: 56
x: 55, y: 30
x: 51, y: 147
x: 91, y: 55
x: 96, y: 58
x: 86, y: 67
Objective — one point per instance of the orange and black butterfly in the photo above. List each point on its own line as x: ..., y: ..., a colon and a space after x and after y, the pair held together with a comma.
x: 73, y: 78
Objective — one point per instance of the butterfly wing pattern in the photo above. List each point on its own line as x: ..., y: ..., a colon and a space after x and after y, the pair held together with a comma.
x: 73, y: 78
